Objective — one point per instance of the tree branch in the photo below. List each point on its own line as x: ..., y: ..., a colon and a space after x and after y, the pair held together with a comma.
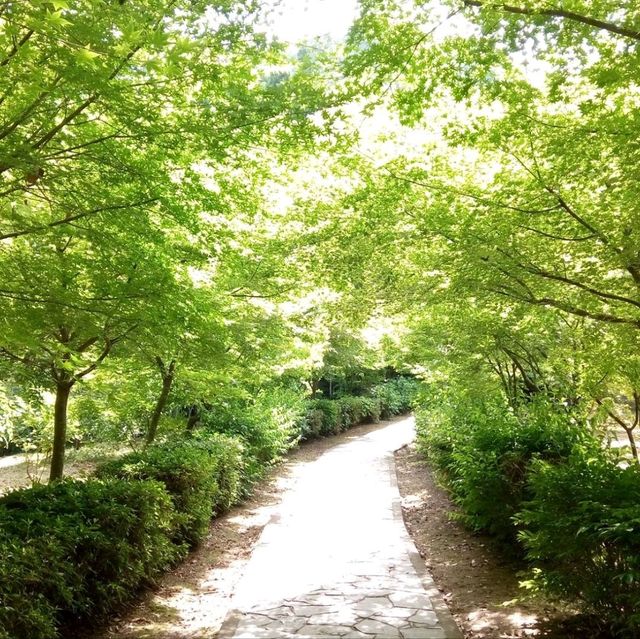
x: 76, y: 217
x: 558, y: 237
x: 16, y: 47
x: 109, y: 343
x: 556, y: 12
x: 580, y: 285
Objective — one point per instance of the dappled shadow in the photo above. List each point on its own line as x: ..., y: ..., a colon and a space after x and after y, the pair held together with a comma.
x: 510, y: 623
x: 192, y: 600
x: 374, y: 604
x: 574, y: 627
x: 480, y: 581
x: 25, y: 469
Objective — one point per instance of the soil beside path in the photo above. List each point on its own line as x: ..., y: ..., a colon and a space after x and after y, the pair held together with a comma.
x: 480, y: 585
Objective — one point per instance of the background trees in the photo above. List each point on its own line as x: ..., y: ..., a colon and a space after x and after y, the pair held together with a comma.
x: 132, y: 161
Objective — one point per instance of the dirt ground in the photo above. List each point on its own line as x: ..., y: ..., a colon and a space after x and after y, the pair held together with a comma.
x: 26, y: 469
x: 480, y: 585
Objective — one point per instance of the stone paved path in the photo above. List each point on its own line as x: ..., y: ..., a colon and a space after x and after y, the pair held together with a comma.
x: 336, y: 559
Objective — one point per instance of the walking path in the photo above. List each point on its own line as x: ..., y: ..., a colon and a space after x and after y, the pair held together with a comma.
x: 336, y: 559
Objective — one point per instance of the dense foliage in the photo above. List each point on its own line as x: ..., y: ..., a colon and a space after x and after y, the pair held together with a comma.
x: 540, y: 481
x: 106, y: 537
x: 485, y: 452
x: 202, y: 477
x: 212, y: 248
x: 581, y: 530
x: 73, y: 550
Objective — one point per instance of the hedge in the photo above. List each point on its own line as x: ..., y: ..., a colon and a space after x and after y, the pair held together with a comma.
x: 329, y: 417
x: 203, y: 477
x: 74, y: 550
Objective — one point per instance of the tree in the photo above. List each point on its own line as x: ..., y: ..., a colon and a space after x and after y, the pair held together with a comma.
x: 128, y: 133
x: 524, y: 200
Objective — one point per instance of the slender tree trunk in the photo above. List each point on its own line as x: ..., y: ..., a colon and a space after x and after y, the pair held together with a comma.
x: 632, y: 444
x: 193, y: 419
x: 167, y: 381
x: 63, y: 390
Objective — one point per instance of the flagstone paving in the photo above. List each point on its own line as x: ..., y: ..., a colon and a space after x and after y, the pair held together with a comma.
x: 336, y: 559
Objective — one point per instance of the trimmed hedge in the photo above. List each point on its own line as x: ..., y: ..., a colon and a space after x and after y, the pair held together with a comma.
x: 323, y: 419
x: 331, y: 416
x: 203, y: 477
x: 74, y: 550
x: 542, y: 483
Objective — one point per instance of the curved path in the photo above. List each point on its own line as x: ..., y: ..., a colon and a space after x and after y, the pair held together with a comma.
x: 336, y: 560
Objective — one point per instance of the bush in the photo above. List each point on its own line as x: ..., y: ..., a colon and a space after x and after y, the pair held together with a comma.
x: 372, y: 407
x: 396, y: 395
x: 229, y: 472
x: 440, y: 432
x: 268, y: 425
x: 313, y: 424
x: 352, y: 411
x: 202, y: 476
x: 331, y: 416
x: 542, y: 482
x: 357, y: 410
x: 75, y: 550
x: 324, y: 417
x: 582, y: 533
x: 483, y: 452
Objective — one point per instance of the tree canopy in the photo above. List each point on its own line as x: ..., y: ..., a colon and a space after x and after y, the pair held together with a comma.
x: 188, y: 204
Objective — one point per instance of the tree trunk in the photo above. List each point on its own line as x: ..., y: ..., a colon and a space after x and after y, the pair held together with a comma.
x: 63, y: 390
x: 167, y: 381
x: 632, y: 444
x: 193, y: 419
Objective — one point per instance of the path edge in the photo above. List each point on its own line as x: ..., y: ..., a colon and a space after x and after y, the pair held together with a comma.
x: 445, y: 617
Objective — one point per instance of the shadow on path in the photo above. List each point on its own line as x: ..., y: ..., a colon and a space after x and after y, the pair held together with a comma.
x: 192, y: 600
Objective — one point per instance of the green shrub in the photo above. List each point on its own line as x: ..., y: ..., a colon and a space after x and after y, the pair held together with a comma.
x: 372, y: 408
x: 313, y: 424
x: 582, y: 533
x: 331, y: 416
x: 268, y: 424
x: 396, y: 395
x: 190, y: 471
x: 352, y: 411
x: 483, y: 452
x: 229, y: 472
x: 439, y: 434
x: 542, y: 482
x: 325, y: 417
x: 357, y: 410
x: 75, y: 550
